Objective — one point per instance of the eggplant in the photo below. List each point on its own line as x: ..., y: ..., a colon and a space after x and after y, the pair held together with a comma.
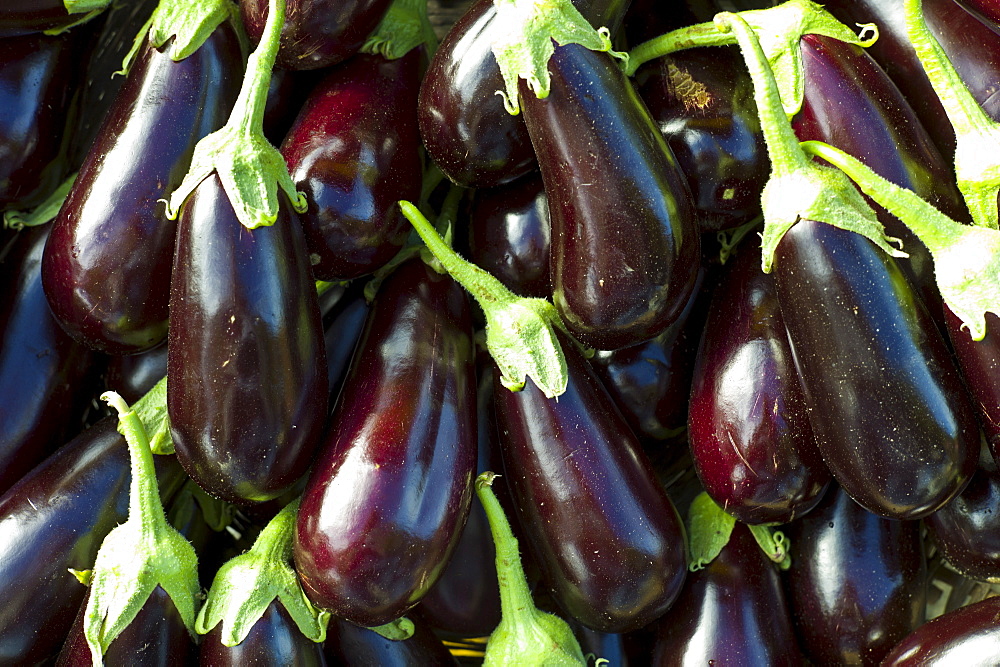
x: 967, y: 636
x: 349, y: 644
x: 25, y: 17
x: 392, y: 483
x: 106, y: 269
x: 342, y: 327
x: 625, y: 245
x: 979, y: 362
x: 134, y: 375
x: 354, y: 150
x: 750, y: 438
x: 609, y: 541
x: 273, y: 640
x: 246, y: 367
x: 967, y: 530
x: 858, y: 582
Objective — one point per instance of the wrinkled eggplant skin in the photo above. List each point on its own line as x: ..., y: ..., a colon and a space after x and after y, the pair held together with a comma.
x: 349, y: 644
x: 247, y: 394
x: 354, y: 150
x: 608, y: 539
x: 133, y: 375
x: 980, y: 365
x: 969, y: 635
x: 381, y: 512
x: 625, y: 245
x: 37, y: 73
x: 702, y: 101
x: 46, y: 377
x: 857, y: 584
x: 733, y: 612
x: 967, y: 530
x: 886, y: 404
x: 316, y: 33
x: 510, y: 235
x: 155, y: 638
x: 106, y: 269
x: 274, y: 641
x: 748, y: 429
x: 24, y: 17
x: 63, y: 509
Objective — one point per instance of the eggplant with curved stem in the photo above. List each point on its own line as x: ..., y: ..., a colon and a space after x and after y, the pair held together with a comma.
x: 354, y: 152
x: 273, y: 640
x: 967, y: 530
x: 967, y: 636
x: 107, y: 263
x: 393, y: 482
x: 748, y: 428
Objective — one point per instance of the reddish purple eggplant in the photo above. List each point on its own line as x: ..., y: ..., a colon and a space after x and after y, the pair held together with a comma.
x: 247, y: 393
x: 354, y: 152
x: 316, y: 33
x: 748, y: 428
x: 733, y: 612
x: 857, y: 584
x: 393, y: 483
x: 966, y: 636
x: 349, y: 644
x: 625, y: 245
x: 107, y: 263
x: 967, y: 530
x: 274, y: 641
x: 607, y: 537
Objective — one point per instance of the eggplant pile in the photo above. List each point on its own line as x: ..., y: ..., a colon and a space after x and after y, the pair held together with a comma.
x: 613, y: 332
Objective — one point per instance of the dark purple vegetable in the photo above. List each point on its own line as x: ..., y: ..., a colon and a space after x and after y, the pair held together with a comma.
x: 354, y: 152
x: 988, y: 11
x: 607, y: 537
x: 133, y: 375
x: 625, y: 246
x: 22, y: 17
x: 107, y: 263
x: 749, y: 432
x: 967, y: 530
x: 966, y: 636
x: 247, y: 393
x: 980, y: 365
x: 857, y: 584
x: 274, y: 641
x: 733, y: 612
x: 349, y: 644
x: 380, y: 514
x: 342, y: 327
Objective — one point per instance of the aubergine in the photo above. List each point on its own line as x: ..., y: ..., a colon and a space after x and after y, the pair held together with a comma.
x: 349, y: 644
x: 25, y: 17
x: 273, y: 640
x: 392, y: 484
x: 625, y: 245
x: 133, y: 375
x: 246, y: 366
x: 966, y: 531
x: 354, y: 150
x: 980, y: 361
x: 966, y: 636
x: 107, y: 264
x: 606, y: 535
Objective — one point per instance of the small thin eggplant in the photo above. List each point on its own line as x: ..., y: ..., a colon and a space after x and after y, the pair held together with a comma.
x: 966, y: 636
x: 967, y: 530
x: 274, y: 640
x: 381, y: 512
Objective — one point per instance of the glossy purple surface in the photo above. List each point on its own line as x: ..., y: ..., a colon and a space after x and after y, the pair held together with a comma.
x: 967, y: 530
x: 979, y: 362
x: 349, y: 644
x: 274, y: 641
x: 22, y: 17
x: 968, y: 636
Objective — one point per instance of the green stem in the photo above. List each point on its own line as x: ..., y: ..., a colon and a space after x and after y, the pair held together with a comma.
x: 275, y: 541
x: 515, y: 595
x: 701, y: 34
x: 252, y: 100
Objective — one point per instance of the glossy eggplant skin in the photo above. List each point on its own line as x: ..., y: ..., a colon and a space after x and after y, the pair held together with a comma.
x: 857, y: 584
x: 274, y: 641
x: 966, y: 636
x: 62, y: 510
x: 342, y: 326
x: 133, y: 375
x: 886, y: 404
x: 107, y: 263
x: 625, y: 245
x: 316, y: 33
x: 247, y: 393
x: 967, y: 530
x: 354, y: 150
x: 24, y: 17
x: 37, y: 73
x: 392, y: 484
x: 349, y: 644
x: 733, y: 612
x: 748, y: 429
x: 46, y: 378
x: 609, y: 541
x: 980, y: 364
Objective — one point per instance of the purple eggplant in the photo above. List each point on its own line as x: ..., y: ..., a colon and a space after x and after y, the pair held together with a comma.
x: 343, y: 323
x: 246, y: 394
x: 134, y: 375
x: 354, y: 152
x: 24, y: 17
x: 980, y: 361
x: 748, y: 428
x: 107, y: 263
x: 349, y: 644
x: 857, y: 584
x: 625, y: 245
x: 967, y: 530
x: 393, y: 482
x: 966, y: 636
x: 607, y: 537
x: 274, y: 641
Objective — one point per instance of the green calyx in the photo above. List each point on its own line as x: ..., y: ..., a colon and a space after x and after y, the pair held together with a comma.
x: 523, y: 42
x: 399, y: 630
x: 187, y: 22
x: 139, y: 555
x: 404, y: 27
x: 780, y: 28
x: 709, y: 529
x: 85, y: 6
x: 520, y: 331
x: 251, y: 169
x: 525, y: 635
x: 245, y: 586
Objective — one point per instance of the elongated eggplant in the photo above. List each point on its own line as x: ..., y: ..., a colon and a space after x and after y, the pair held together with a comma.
x: 748, y: 428
x: 273, y: 640
x: 246, y: 394
x: 967, y: 530
x: 107, y: 263
x: 966, y: 636
x: 354, y: 152
x: 381, y: 512
x: 348, y: 644
x: 857, y: 584
x: 607, y: 537
x: 733, y: 612
x: 885, y: 401
x: 625, y: 246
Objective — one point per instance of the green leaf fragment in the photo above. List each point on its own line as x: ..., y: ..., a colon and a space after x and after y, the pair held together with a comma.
x: 85, y: 6
x: 404, y: 27
x: 152, y: 410
x: 709, y: 530
x: 773, y: 543
x: 44, y: 212
x: 399, y: 630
